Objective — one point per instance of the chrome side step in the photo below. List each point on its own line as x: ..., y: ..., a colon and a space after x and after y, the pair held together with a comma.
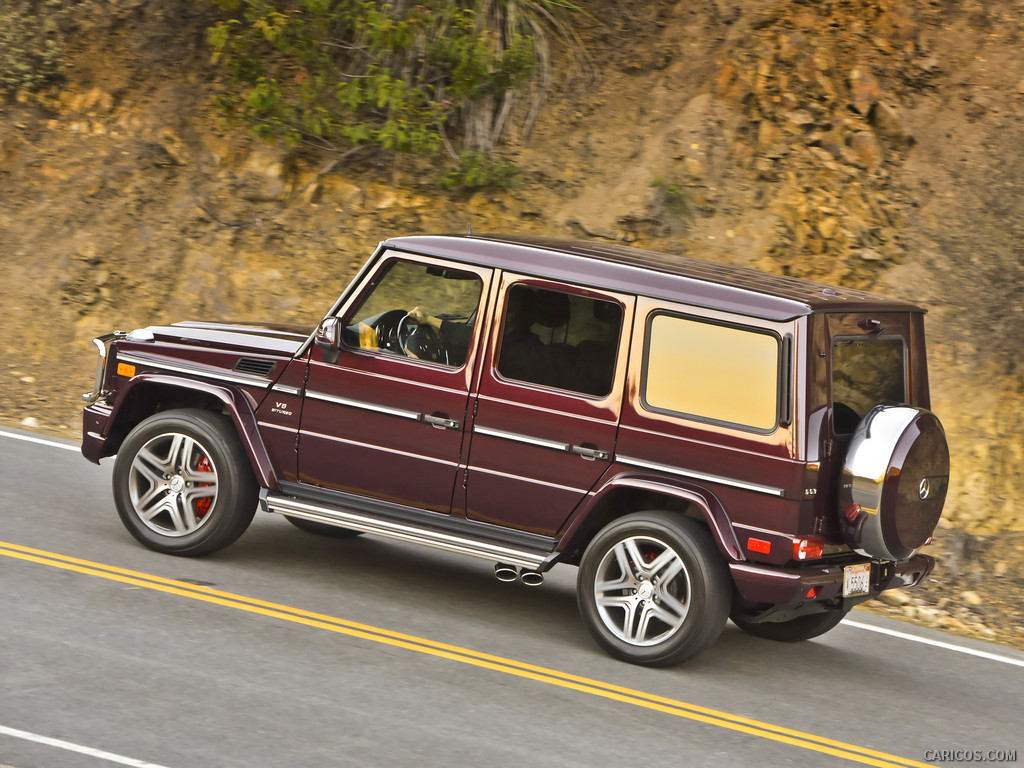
x: 343, y: 518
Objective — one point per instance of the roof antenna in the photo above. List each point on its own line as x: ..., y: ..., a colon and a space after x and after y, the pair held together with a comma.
x: 470, y: 228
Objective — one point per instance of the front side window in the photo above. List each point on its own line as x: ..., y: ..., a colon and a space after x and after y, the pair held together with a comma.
x: 418, y: 311
x: 866, y: 372
x: 561, y: 340
x: 712, y: 372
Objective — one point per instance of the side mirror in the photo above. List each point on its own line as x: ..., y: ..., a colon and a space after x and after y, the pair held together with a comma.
x: 328, y: 338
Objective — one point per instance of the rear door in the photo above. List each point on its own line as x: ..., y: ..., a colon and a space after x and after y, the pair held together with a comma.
x: 548, y: 402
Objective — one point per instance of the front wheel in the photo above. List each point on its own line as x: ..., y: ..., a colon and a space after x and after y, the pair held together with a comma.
x: 794, y: 630
x: 653, y: 589
x: 183, y: 484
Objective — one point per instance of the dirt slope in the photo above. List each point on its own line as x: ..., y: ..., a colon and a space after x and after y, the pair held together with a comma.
x: 873, y: 143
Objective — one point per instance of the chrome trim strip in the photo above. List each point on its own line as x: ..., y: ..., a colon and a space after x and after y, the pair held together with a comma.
x: 532, y: 481
x: 286, y: 389
x: 370, y: 446
x: 364, y: 406
x: 281, y: 427
x: 518, y: 438
x: 436, y: 539
x: 228, y: 377
x: 757, y: 488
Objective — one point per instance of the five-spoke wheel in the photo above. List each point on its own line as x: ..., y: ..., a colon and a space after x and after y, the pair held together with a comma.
x: 183, y: 484
x: 653, y: 589
x: 643, y: 590
x: 172, y: 484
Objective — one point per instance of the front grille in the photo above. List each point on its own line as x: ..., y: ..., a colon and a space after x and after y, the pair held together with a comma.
x: 255, y: 366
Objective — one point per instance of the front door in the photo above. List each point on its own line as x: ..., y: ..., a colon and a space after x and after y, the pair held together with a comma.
x: 386, y: 420
x: 548, y: 404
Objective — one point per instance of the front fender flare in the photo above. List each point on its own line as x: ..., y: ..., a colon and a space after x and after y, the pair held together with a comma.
x: 239, y: 405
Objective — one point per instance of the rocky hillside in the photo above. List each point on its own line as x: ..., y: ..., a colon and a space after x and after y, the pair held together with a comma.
x: 871, y: 143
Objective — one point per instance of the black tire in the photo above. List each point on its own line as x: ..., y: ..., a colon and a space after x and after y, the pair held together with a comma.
x: 322, y: 529
x: 794, y: 630
x: 644, y: 620
x: 161, y: 486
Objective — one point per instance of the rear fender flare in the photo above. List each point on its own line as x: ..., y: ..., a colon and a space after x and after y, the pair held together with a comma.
x: 239, y: 405
x: 707, y: 503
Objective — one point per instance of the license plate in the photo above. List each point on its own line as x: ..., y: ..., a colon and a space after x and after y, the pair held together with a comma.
x: 856, y: 579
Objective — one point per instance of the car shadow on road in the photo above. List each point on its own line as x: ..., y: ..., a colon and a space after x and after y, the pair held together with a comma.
x: 463, y: 594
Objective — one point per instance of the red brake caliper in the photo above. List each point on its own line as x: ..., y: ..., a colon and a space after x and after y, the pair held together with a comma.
x: 203, y: 504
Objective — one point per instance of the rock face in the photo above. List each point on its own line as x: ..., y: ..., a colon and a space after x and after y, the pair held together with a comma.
x: 873, y: 143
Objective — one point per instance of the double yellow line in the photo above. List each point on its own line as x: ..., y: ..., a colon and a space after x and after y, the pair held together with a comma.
x: 465, y: 656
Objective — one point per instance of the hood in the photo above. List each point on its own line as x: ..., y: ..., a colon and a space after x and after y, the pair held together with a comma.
x: 264, y: 338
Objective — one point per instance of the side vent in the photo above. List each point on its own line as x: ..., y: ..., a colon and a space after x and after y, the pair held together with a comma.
x: 255, y: 366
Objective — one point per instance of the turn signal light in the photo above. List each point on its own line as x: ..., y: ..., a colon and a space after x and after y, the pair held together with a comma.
x: 810, y: 548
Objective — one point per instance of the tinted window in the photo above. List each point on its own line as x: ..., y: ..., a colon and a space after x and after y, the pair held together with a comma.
x: 865, y: 372
x: 559, y: 340
x: 712, y: 372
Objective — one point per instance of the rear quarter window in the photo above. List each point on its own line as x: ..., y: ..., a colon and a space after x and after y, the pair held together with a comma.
x: 712, y: 372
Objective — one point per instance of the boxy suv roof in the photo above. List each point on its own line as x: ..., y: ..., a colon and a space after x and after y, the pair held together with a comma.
x: 704, y: 441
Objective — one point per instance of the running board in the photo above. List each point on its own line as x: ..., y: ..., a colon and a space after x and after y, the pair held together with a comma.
x: 343, y: 518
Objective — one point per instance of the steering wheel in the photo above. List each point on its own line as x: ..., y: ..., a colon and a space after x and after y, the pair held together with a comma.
x: 421, y: 342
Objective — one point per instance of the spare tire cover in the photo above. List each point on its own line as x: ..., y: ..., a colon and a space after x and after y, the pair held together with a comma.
x: 894, y: 482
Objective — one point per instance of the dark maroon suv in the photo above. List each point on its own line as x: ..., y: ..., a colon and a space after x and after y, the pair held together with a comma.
x: 704, y: 442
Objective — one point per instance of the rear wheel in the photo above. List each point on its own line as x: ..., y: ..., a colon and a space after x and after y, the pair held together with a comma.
x: 321, y: 529
x: 794, y: 630
x: 183, y: 484
x: 653, y: 589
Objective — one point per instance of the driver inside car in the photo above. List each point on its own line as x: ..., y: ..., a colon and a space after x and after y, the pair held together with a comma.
x: 438, y: 329
x: 454, y: 335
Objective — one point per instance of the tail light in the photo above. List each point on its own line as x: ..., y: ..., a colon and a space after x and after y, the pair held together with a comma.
x: 808, y: 548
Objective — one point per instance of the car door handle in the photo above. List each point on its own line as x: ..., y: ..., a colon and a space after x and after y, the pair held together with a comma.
x: 590, y: 453
x: 441, y: 422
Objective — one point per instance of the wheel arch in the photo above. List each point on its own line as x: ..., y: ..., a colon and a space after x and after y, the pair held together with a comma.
x: 627, y: 493
x: 148, y: 394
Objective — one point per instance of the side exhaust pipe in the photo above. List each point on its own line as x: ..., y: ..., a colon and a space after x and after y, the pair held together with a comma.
x: 531, y: 578
x: 503, y: 572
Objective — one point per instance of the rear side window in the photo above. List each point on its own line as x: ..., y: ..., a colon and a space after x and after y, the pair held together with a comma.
x: 560, y: 340
x: 712, y: 372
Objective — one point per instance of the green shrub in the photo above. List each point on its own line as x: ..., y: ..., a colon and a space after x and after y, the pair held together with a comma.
x: 676, y: 198
x: 401, y: 76
x: 30, y: 43
x: 478, y: 169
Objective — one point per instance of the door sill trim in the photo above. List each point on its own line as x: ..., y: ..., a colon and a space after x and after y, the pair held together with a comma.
x: 430, y: 537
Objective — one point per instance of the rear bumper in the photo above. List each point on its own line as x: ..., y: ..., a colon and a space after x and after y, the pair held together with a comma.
x: 788, y: 587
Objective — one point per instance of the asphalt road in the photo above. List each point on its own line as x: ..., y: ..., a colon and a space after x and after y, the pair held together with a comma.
x: 288, y: 649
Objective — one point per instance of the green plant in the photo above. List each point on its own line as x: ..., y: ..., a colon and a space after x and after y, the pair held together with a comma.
x: 479, y: 169
x: 405, y: 77
x: 674, y: 197
x: 30, y: 43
